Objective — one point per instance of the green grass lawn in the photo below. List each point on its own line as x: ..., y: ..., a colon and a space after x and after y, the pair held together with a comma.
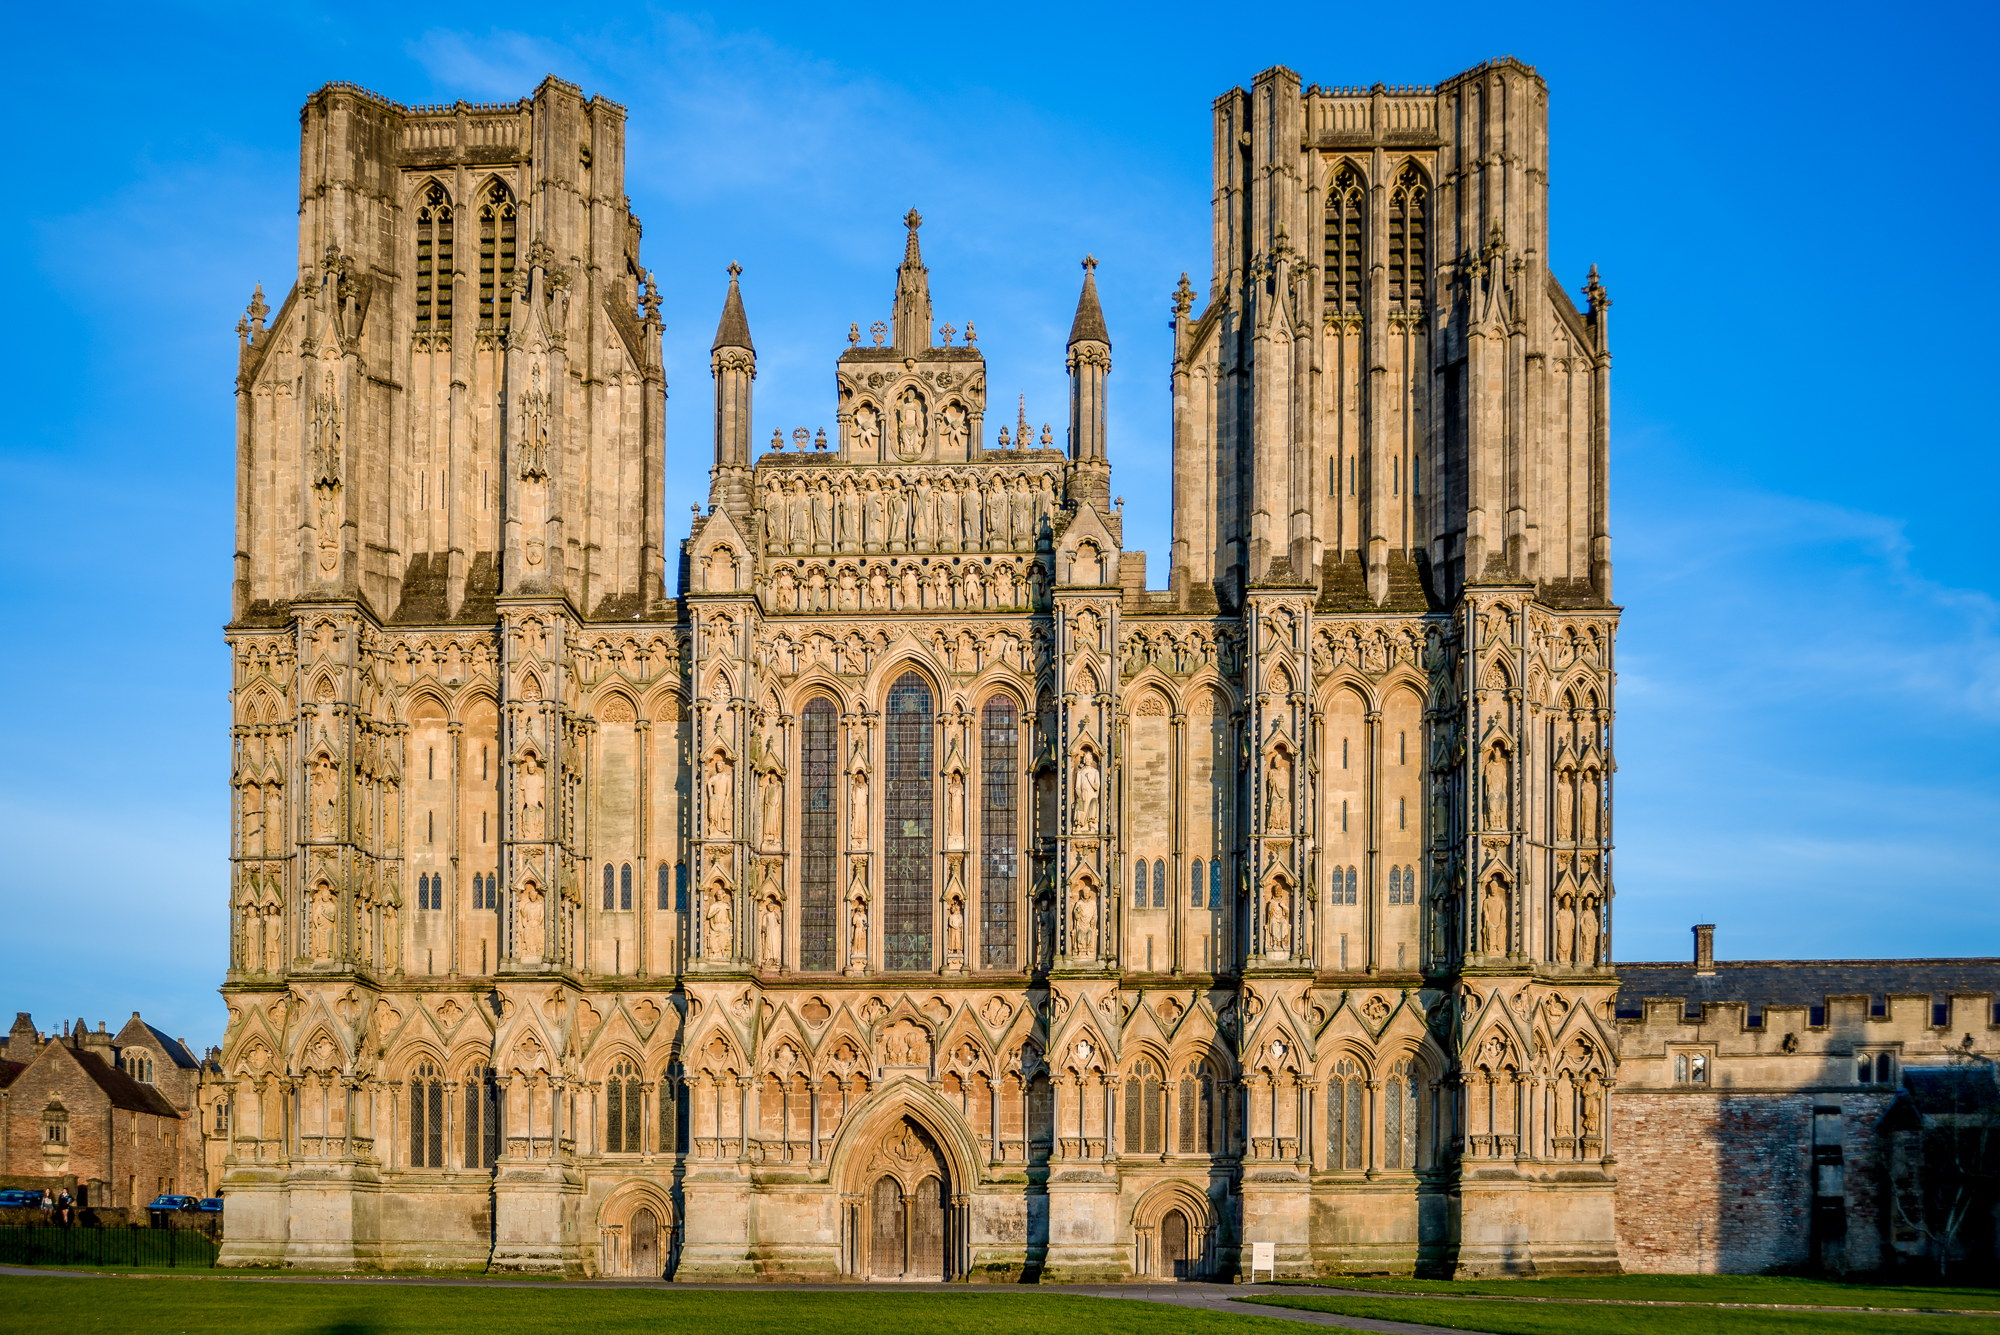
x: 204, y: 1306
x: 1497, y: 1318
x: 1698, y: 1289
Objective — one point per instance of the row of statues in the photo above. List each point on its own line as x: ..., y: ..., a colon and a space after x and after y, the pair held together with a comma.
x: 907, y: 588
x: 926, y: 512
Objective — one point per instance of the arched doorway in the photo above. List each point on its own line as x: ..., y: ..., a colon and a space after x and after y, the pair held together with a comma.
x: 909, y: 1208
x: 1174, y: 1245
x: 646, y: 1245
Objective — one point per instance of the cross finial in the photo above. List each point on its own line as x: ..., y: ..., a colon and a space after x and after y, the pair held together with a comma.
x: 1089, y: 263
x: 734, y: 270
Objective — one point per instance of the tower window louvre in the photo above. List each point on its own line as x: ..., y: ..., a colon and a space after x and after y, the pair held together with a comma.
x: 433, y: 285
x: 496, y: 259
x: 1344, y: 231
x: 1408, y: 239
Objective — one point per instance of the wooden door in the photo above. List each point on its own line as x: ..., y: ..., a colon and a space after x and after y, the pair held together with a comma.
x: 1174, y: 1245
x: 886, y: 1239
x: 646, y: 1245
x: 927, y: 1231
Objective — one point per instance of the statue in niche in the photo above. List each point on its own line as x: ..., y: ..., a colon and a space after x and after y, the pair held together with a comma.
x: 923, y: 514
x: 801, y: 525
x: 1565, y: 805
x: 940, y: 587
x: 1083, y: 923
x: 910, y: 424
x: 533, y: 784
x: 715, y: 923
x: 954, y: 927
x: 273, y: 940
x: 816, y: 590
x: 528, y: 923
x: 1306, y: 937
x: 1020, y: 515
x: 1587, y: 922
x: 1277, y: 922
x: 325, y: 779
x: 954, y: 427
x: 847, y: 595
x: 1088, y: 781
x: 857, y: 929
x: 1566, y: 930
x: 878, y: 588
x: 720, y: 791
x: 1038, y: 584
x: 911, y: 591
x: 951, y: 513
x: 850, y: 513
x: 1493, y: 787
x: 774, y: 513
x: 871, y: 518
x: 1278, y: 792
x: 770, y: 933
x: 1045, y: 931
x: 788, y: 590
x: 867, y: 431
x: 822, y: 514
x: 1493, y: 919
x: 899, y: 516
x: 1587, y: 795
x: 1003, y: 586
x: 954, y: 805
x: 773, y: 822
x: 857, y: 809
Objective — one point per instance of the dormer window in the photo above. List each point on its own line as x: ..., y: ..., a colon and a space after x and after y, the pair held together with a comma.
x: 138, y: 1065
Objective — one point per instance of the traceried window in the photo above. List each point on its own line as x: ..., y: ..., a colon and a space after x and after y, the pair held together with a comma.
x: 1344, y: 230
x: 910, y: 784
x: 1346, y: 1116
x: 999, y: 830
x: 1402, y: 885
x: 673, y: 1112
x: 1196, y: 1127
x: 482, y: 1118
x: 496, y: 258
x: 1159, y: 883
x: 610, y: 897
x: 666, y: 879
x: 1409, y: 240
x: 1395, y: 885
x: 1194, y: 884
x: 1145, y: 1109
x: 1399, y: 1118
x: 623, y: 1120
x: 1215, y: 884
x: 426, y: 1117
x: 624, y: 886
x: 818, y: 829
x: 433, y: 285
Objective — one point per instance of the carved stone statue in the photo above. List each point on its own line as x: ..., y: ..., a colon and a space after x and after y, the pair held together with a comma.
x: 1277, y: 923
x: 1279, y: 793
x: 1493, y: 920
x: 1587, y: 801
x: 954, y: 427
x: 954, y: 806
x: 867, y: 431
x: 857, y: 931
x: 715, y: 924
x: 773, y: 823
x: 528, y: 924
x: 910, y: 424
x: 721, y: 792
x: 1565, y: 942
x: 1083, y: 924
x: 857, y: 810
x: 1565, y: 806
x: 325, y: 915
x: 954, y: 927
x: 770, y: 933
x: 1088, y: 781
x: 1045, y: 931
x: 1493, y: 787
x: 1587, y: 922
x: 532, y: 787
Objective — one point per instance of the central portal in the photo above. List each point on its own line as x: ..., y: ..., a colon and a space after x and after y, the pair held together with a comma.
x: 908, y: 1207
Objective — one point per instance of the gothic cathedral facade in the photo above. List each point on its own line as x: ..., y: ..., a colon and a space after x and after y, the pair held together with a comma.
x: 885, y: 883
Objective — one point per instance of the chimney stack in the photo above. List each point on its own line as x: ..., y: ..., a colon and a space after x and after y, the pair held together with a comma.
x: 1704, y: 949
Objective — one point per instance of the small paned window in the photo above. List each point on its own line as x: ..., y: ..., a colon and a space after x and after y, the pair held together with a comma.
x: 1215, y: 883
x: 1159, y: 883
x: 1194, y: 885
x: 625, y: 885
x: 666, y: 888
x: 1395, y: 885
x: 426, y: 1117
x: 1353, y: 893
x: 1690, y: 1068
x: 482, y: 1118
x: 610, y: 898
x: 623, y: 1121
x: 1139, y: 883
x: 1399, y: 1118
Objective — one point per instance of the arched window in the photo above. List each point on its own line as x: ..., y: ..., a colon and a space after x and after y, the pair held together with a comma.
x: 666, y: 888
x: 1395, y: 885
x: 609, y: 899
x: 907, y: 807
x: 1352, y: 895
x: 1139, y: 883
x: 1197, y: 1111
x: 493, y: 891
x: 1408, y: 239
x: 1882, y: 1071
x: 680, y: 887
x: 482, y: 1118
x: 496, y: 258
x: 819, y: 822
x: 424, y: 891
x: 1215, y: 883
x: 1194, y: 885
x: 1346, y: 1117
x: 426, y: 1117
x: 1145, y: 1109
x: 623, y: 1123
x: 1399, y: 1118
x: 1159, y: 883
x: 673, y: 1112
x: 1344, y: 228
x: 433, y: 285
x: 999, y: 829
x: 625, y: 885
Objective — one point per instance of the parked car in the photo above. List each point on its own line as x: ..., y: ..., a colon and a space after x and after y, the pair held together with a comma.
x: 211, y: 1205
x: 163, y: 1203
x: 20, y: 1198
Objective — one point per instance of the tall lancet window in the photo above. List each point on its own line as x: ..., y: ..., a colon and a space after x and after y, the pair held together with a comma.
x: 434, y: 261
x: 496, y: 258
x: 1343, y: 243
x: 999, y: 830
x: 1409, y: 239
x: 906, y: 813
x: 818, y: 828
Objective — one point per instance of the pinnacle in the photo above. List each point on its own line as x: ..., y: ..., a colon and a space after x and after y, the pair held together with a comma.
x: 911, y: 257
x: 734, y: 330
x: 1089, y: 323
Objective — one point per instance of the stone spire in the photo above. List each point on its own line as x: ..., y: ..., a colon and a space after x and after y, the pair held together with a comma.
x: 1089, y: 364
x: 733, y: 361
x: 1088, y: 327
x: 911, y: 318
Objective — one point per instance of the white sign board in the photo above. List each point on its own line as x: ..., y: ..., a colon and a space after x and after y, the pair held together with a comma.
x: 1263, y: 1256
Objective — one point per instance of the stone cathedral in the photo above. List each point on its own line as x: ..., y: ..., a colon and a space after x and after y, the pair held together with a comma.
x: 880, y: 881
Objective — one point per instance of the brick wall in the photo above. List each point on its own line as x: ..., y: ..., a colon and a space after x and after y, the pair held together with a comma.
x: 1714, y: 1183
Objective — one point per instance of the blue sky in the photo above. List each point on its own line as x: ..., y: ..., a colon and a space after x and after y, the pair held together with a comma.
x: 1791, y: 207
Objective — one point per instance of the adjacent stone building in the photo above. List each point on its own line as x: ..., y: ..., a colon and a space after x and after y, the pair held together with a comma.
x: 112, y: 1118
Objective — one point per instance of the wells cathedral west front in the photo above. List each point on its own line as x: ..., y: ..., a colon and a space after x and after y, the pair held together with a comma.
x: 881, y: 880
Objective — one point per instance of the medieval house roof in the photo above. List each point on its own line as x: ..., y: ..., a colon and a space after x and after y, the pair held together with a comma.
x: 1803, y: 982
